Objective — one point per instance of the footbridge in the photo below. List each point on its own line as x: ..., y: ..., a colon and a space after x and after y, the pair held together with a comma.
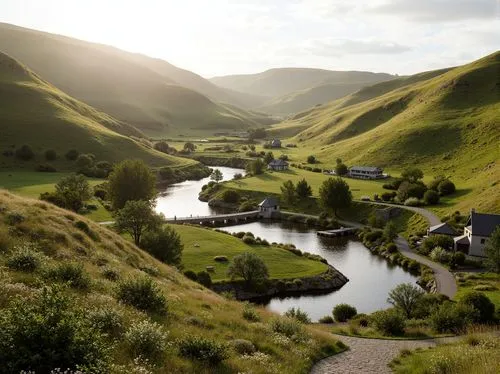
x: 219, y: 218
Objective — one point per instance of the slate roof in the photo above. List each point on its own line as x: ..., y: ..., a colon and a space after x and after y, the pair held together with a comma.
x: 365, y: 168
x: 464, y: 239
x: 443, y: 229
x: 483, y: 224
x: 269, y: 202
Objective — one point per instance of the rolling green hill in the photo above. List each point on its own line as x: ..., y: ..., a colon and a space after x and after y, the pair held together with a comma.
x: 36, y: 113
x: 445, y: 122
x: 124, y: 85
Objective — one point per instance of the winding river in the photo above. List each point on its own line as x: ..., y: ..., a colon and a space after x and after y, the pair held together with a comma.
x: 370, y: 277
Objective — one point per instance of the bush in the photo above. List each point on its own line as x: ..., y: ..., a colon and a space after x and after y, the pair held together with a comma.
x: 344, y: 312
x: 431, y: 197
x: 191, y: 275
x: 440, y: 255
x: 311, y: 159
x: 25, y: 258
x: 250, y: 314
x: 110, y: 274
x: 50, y: 155
x: 451, y: 317
x: 412, y: 201
x: 204, y: 279
x: 248, y: 240
x: 71, y: 273
x: 361, y: 320
x: 246, y: 206
x: 289, y: 327
x: 326, y: 319
x: 45, y: 168
x: 298, y: 314
x: 391, y: 248
x: 146, y: 340
x: 221, y: 259
x: 388, y: 196
x: 72, y: 154
x: 49, y: 332
x: 25, y: 153
x: 243, y: 346
x: 388, y: 322
x: 107, y: 320
x: 426, y: 305
x: 458, y: 258
x: 433, y: 241
x: 481, y: 303
x: 446, y: 187
x: 237, y: 176
x: 230, y: 196
x: 199, y: 348
x: 163, y: 243
x: 142, y: 293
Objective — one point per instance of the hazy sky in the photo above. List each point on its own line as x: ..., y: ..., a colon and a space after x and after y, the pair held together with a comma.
x: 216, y: 37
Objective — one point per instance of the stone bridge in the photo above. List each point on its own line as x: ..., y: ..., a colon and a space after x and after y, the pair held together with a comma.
x: 219, y: 218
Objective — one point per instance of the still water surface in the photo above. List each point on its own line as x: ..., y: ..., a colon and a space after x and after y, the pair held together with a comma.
x: 370, y: 277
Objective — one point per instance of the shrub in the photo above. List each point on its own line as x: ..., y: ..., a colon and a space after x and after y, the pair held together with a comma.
x: 250, y: 314
x: 344, y: 312
x: 45, y: 168
x: 250, y: 240
x: 391, y: 248
x: 451, y: 317
x: 326, y: 319
x: 204, y: 279
x: 243, y: 346
x: 440, y: 255
x: 388, y: 322
x: 110, y: 274
x: 202, y: 349
x: 412, y: 201
x: 142, y: 293
x: 146, y: 340
x: 25, y: 258
x: 298, y: 314
x: 388, y: 196
x: 85, y: 160
x: 426, y: 304
x: 191, y: 275
x: 458, y: 258
x: 481, y: 303
x: 446, y: 187
x: 246, y: 206
x: 362, y: 320
x: 107, y: 320
x: 311, y: 159
x: 431, y: 197
x: 433, y: 241
x: 164, y: 243
x: 50, y: 155
x: 230, y: 196
x: 221, y: 259
x: 14, y: 218
x: 25, y: 153
x: 49, y: 332
x: 237, y: 176
x: 374, y: 235
x: 71, y: 273
x: 72, y: 154
x: 289, y: 327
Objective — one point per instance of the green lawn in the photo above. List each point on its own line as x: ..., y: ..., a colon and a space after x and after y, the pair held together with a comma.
x: 473, y: 281
x: 202, y: 245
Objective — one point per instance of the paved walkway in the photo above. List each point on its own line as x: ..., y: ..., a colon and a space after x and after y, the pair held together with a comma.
x: 367, y: 356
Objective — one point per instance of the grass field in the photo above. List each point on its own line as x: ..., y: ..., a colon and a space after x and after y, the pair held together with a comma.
x: 477, y: 281
x: 202, y: 245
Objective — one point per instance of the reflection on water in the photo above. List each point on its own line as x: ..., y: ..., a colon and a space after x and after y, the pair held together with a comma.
x: 181, y: 199
x: 370, y: 277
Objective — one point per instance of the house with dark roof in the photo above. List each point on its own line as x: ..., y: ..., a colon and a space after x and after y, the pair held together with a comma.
x: 441, y: 229
x: 478, y: 229
x: 269, y: 208
x: 366, y: 172
x: 278, y: 165
x: 276, y: 143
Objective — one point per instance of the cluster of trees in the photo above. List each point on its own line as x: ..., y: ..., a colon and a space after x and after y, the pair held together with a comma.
x: 256, y: 167
x: 411, y: 190
x: 162, y: 146
x: 257, y: 134
x: 341, y: 168
x: 291, y: 193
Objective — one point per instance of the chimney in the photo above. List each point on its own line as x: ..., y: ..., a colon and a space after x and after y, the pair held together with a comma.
x: 472, y: 211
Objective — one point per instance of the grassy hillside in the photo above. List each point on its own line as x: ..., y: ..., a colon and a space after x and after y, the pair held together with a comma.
x: 121, y: 84
x: 447, y: 124
x: 97, y: 263
x: 36, y: 113
x: 283, y: 81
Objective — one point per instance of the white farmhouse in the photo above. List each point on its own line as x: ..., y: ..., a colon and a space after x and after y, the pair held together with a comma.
x: 366, y: 172
x: 269, y: 208
x: 478, y: 229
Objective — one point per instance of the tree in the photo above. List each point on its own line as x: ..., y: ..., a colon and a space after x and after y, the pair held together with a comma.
x: 412, y: 174
x: 163, y: 243
x: 131, y: 180
x: 50, y: 155
x: 431, y: 197
x: 480, y: 302
x: 311, y: 159
x: 72, y: 154
x: 85, y: 161
x: 303, y: 189
x: 136, y: 217
x: 335, y: 194
x: 341, y: 169
x: 216, y: 176
x: 446, y: 187
x: 405, y: 297
x: 492, y: 250
x: 190, y: 147
x: 288, y: 192
x: 73, y: 190
x: 433, y: 185
x: 390, y: 231
x: 25, y: 153
x: 268, y: 157
x: 162, y: 146
x: 248, y: 266
x: 255, y: 167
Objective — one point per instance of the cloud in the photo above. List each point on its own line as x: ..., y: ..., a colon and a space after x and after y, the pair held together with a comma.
x: 439, y: 10
x: 340, y: 47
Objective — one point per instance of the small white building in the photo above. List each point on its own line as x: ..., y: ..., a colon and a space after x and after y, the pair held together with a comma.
x: 269, y: 207
x: 366, y: 172
x: 478, y: 229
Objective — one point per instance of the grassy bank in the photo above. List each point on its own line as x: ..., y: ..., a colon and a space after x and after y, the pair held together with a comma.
x: 487, y: 283
x: 202, y: 245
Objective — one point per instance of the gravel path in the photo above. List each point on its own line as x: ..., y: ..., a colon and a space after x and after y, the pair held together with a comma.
x: 370, y: 356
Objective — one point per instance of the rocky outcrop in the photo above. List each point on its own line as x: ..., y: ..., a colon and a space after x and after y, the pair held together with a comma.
x: 330, y: 280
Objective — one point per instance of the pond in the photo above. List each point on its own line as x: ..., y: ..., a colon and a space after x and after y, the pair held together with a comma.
x: 370, y: 277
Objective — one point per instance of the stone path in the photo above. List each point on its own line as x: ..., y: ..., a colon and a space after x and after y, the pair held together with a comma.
x: 369, y: 356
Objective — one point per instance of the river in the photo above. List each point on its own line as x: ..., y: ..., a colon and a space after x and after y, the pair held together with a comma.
x: 370, y: 277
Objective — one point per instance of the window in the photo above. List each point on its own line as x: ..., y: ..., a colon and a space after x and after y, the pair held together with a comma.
x: 483, y: 241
